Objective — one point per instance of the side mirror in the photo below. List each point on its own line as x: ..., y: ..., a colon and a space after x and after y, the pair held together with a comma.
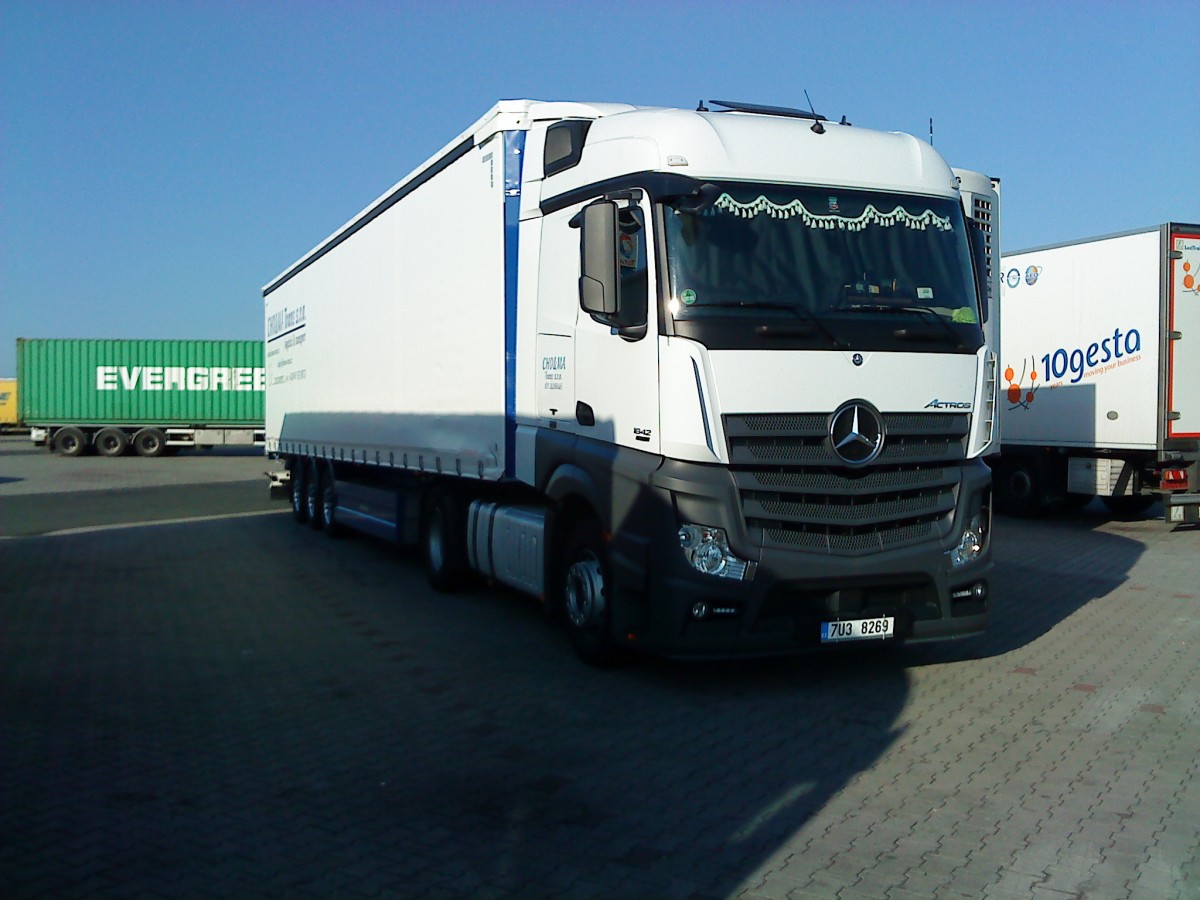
x: 979, y: 257
x: 599, y: 282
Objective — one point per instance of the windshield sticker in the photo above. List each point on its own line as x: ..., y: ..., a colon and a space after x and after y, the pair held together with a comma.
x: 924, y: 293
x: 628, y: 251
x: 688, y: 297
x: 833, y: 205
x: 869, y: 216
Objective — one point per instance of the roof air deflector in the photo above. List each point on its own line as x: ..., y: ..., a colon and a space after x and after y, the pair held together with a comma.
x: 786, y: 111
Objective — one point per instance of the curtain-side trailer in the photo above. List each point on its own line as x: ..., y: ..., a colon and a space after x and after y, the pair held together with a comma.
x: 1101, y: 374
x: 148, y: 397
x: 703, y: 382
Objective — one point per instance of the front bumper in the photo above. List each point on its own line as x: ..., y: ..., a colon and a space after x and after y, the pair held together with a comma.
x: 664, y: 606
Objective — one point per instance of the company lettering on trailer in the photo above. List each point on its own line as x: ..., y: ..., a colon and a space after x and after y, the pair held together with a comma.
x: 180, y: 378
x: 1072, y: 365
x: 285, y: 322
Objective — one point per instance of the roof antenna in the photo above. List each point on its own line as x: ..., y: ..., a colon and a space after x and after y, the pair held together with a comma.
x: 931, y: 131
x: 700, y: 107
x: 817, y: 127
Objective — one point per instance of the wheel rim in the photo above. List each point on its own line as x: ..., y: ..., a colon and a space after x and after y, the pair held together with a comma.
x: 585, y: 592
x: 297, y: 493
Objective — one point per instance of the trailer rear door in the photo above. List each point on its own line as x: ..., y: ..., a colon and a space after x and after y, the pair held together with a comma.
x: 1183, y: 350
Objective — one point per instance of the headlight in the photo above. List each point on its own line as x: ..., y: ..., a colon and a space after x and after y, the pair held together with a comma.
x: 707, y: 550
x: 970, y: 545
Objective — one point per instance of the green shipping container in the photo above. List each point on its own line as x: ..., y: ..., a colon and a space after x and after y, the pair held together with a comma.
x: 141, y: 382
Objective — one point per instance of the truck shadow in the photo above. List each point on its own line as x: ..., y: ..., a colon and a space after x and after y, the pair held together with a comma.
x: 317, y: 703
x: 1072, y: 558
x: 347, y: 729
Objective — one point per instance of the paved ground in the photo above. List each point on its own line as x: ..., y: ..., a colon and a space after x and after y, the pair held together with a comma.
x: 239, y: 707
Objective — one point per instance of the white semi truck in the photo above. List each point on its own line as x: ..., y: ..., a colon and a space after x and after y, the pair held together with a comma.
x: 1101, y: 374
x: 703, y: 382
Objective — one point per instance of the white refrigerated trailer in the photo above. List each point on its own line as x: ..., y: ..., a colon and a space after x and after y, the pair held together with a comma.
x: 703, y: 382
x: 1101, y: 374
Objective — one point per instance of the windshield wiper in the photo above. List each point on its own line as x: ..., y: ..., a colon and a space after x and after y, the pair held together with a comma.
x: 808, y: 318
x: 906, y: 334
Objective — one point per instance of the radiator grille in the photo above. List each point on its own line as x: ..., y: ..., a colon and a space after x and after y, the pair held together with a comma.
x: 795, y: 493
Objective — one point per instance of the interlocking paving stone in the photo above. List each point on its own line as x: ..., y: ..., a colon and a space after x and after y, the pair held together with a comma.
x: 241, y: 707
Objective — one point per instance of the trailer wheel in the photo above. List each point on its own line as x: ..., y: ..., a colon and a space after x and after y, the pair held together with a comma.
x: 312, y: 496
x: 329, y: 520
x: 299, y: 484
x: 585, y: 592
x: 1018, y: 488
x: 70, y: 441
x: 111, y: 442
x: 443, y: 543
x: 1128, y: 506
x: 149, y: 442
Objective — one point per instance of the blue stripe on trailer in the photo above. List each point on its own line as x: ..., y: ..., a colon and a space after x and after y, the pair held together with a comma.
x: 514, y: 154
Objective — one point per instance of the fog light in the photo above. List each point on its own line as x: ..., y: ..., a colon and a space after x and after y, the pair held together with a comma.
x: 970, y: 544
x: 707, y: 550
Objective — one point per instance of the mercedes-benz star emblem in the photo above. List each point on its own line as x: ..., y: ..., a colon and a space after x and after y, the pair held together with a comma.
x: 856, y: 433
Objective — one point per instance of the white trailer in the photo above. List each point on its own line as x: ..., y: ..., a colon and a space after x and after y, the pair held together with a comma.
x: 703, y: 382
x: 1101, y: 374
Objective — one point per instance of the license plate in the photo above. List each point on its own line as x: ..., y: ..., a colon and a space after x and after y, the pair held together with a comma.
x: 857, y: 630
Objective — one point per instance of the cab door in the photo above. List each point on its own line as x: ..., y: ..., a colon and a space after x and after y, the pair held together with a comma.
x: 616, y: 376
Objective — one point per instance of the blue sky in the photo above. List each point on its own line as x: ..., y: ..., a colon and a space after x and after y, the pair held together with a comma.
x: 161, y: 161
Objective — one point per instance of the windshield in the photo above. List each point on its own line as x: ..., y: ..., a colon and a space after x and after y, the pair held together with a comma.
x: 822, y: 266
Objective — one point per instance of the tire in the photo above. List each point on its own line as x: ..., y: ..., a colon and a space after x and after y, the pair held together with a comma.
x: 111, y: 442
x: 329, y: 519
x: 299, y: 484
x: 585, y: 592
x: 150, y: 442
x: 70, y: 441
x: 443, y: 543
x: 1129, y: 506
x: 312, y: 495
x: 1018, y: 488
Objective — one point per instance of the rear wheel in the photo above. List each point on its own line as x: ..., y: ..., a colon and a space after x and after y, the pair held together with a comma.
x: 150, y: 442
x: 111, y: 442
x: 1018, y: 487
x: 443, y: 544
x: 299, y: 486
x: 312, y: 496
x: 70, y: 441
x: 329, y: 520
x: 585, y: 592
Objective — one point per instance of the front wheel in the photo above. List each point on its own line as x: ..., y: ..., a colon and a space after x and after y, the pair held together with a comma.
x: 585, y: 592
